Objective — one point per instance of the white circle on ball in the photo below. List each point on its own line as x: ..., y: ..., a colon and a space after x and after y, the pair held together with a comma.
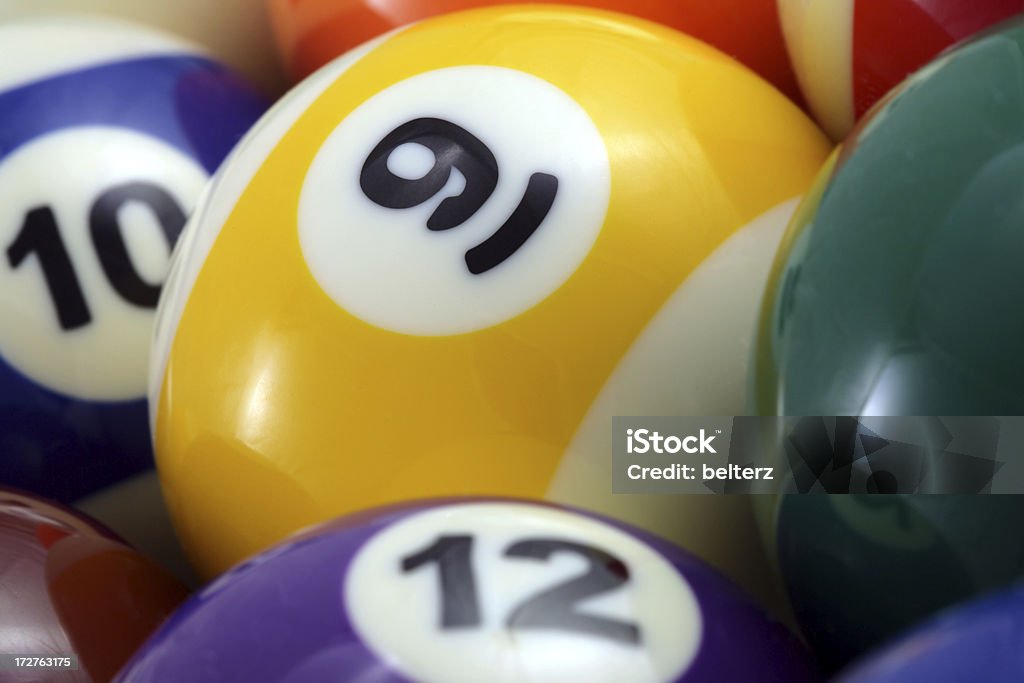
x: 394, y: 596
x: 51, y: 262
x: 386, y: 267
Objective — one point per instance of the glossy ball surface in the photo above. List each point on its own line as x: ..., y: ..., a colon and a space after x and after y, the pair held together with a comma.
x: 448, y: 259
x: 71, y: 588
x: 108, y: 134
x: 895, y: 294
x: 310, y: 33
x: 468, y: 591
x: 849, y: 53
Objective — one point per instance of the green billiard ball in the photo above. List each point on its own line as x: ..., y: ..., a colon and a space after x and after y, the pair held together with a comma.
x: 898, y: 292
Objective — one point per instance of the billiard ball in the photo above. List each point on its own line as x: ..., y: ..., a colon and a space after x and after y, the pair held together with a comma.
x: 895, y: 294
x: 311, y: 33
x: 980, y: 641
x: 108, y: 134
x: 462, y: 591
x: 71, y: 589
x: 849, y: 53
x: 236, y: 32
x: 445, y: 262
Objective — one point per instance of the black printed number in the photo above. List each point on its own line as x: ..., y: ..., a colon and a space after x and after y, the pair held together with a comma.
x: 552, y: 608
x: 460, y: 606
x: 40, y: 236
x: 455, y: 148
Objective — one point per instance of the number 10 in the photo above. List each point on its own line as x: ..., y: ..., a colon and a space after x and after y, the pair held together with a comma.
x: 41, y: 236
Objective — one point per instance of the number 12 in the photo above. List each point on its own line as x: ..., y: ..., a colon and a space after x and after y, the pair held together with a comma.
x: 552, y: 608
